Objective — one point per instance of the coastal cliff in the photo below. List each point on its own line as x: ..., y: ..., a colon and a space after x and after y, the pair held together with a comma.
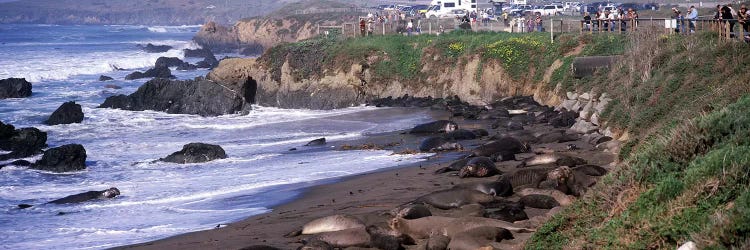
x: 291, y: 23
x: 682, y: 119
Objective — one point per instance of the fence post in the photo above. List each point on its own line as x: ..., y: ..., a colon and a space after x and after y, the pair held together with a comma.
x: 429, y: 27
x: 551, y: 30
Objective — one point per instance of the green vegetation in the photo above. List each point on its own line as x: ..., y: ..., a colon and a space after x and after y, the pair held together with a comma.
x: 685, y: 172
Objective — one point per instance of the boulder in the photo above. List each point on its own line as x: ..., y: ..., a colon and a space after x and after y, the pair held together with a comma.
x: 66, y: 158
x: 160, y: 72
x: 571, y: 95
x: 150, y: 48
x: 103, y: 78
x: 583, y: 127
x: 198, y: 53
x: 21, y: 143
x: 196, y: 153
x: 564, y: 119
x: 208, y: 62
x: 67, y: 113
x: 217, y: 37
x: 197, y: 97
x: 168, y: 62
x: 14, y: 88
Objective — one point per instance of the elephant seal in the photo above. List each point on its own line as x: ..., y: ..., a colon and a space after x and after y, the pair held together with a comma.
x: 460, y: 134
x: 434, y: 144
x: 556, y: 137
x: 414, y: 211
x: 527, y: 177
x: 557, y: 159
x: 82, y: 197
x: 352, y: 237
x: 259, y: 247
x: 500, y: 187
x: 455, y: 166
x: 480, y: 132
x: 560, y: 197
x: 453, y: 198
x: 317, y: 142
x: 478, y: 167
x: 315, y: 245
x: 479, y: 237
x: 561, y: 178
x: 423, y: 228
x: 441, y: 126
x: 329, y: 224
x: 507, y: 147
x: 387, y: 239
x: 511, y: 212
x: 539, y: 201
x: 87, y: 196
x: 438, y: 242
x: 590, y: 170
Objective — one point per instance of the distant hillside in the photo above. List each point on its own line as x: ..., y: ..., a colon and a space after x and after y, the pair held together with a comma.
x: 149, y: 12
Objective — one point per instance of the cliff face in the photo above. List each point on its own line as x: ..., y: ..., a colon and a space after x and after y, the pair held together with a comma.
x: 339, y: 88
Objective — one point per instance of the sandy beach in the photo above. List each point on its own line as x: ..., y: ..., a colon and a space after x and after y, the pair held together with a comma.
x: 371, y: 196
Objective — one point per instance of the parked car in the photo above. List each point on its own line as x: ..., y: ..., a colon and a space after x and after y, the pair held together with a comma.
x: 549, y: 10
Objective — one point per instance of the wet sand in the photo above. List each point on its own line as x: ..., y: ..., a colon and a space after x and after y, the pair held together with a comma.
x: 367, y: 196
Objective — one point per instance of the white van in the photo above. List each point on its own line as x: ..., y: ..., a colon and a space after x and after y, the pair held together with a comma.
x: 445, y: 8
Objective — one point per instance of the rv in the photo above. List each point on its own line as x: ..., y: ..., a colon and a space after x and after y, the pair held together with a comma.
x: 445, y: 8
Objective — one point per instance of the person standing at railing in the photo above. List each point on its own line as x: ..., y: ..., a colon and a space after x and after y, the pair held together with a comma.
x: 726, y: 16
x: 677, y: 15
x: 692, y: 16
x: 603, y: 20
x: 623, y: 19
x: 409, y: 27
x: 612, y: 19
x: 587, y: 21
x: 538, y: 22
x: 744, y: 18
x: 595, y: 20
x: 505, y: 18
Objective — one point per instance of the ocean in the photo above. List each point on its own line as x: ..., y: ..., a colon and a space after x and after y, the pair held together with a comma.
x: 158, y: 199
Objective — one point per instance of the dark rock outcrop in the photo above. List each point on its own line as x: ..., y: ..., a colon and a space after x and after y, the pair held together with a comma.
x: 198, y: 53
x: 196, y: 153
x: 150, y: 48
x: 103, y: 78
x: 161, y: 72
x: 21, y: 143
x: 208, y: 62
x: 66, y: 158
x: 67, y: 113
x: 174, y: 62
x: 198, y: 97
x: 14, y: 88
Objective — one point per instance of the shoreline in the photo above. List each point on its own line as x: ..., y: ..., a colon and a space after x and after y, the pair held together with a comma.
x: 372, y: 195
x: 315, y: 192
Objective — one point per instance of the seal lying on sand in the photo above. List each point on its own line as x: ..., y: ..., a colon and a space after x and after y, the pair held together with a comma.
x: 500, y: 187
x: 455, y: 166
x: 352, y: 237
x: 437, y: 225
x: 433, y: 144
x: 506, y: 147
x: 453, y: 198
x: 441, y: 126
x: 557, y: 159
x: 82, y: 197
x: 478, y: 237
x: 560, y: 197
x: 478, y: 167
x: 329, y: 224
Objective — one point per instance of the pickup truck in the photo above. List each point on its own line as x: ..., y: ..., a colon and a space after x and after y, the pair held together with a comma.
x: 549, y: 10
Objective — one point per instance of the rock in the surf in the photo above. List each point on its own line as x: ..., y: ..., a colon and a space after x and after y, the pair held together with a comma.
x: 197, y: 97
x: 160, y: 72
x: 196, y: 153
x: 22, y: 142
x: 66, y: 158
x: 150, y: 48
x: 14, y: 88
x: 67, y: 113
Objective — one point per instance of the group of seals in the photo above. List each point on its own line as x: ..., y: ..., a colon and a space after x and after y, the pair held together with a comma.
x: 480, y: 213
